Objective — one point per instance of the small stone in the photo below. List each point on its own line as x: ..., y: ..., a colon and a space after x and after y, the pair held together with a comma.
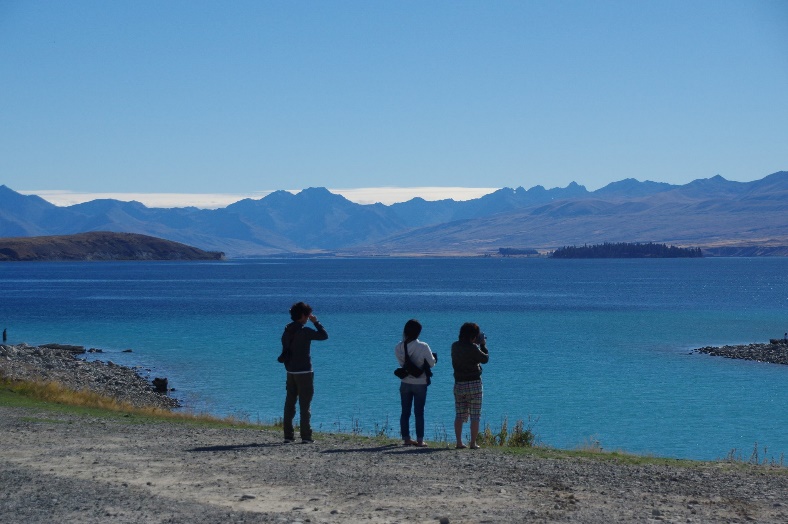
x: 444, y: 520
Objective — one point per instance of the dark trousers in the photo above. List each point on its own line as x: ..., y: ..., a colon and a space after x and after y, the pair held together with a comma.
x: 299, y: 387
x: 415, y: 395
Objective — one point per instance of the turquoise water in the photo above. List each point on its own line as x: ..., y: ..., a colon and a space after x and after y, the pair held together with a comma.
x: 588, y: 350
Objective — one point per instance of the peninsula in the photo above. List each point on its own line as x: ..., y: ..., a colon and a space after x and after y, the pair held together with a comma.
x: 99, y: 245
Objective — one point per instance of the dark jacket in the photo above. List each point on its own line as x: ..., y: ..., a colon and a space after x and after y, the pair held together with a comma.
x: 298, y: 339
x: 466, y: 359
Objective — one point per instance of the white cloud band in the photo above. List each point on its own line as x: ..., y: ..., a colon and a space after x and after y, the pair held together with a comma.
x: 369, y: 195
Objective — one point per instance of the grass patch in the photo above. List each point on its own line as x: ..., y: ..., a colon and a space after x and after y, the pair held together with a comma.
x: 53, y: 396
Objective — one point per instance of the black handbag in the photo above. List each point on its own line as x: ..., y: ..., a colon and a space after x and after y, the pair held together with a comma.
x: 408, y: 368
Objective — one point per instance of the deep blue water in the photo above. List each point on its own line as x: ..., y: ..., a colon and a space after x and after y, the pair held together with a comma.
x: 588, y: 350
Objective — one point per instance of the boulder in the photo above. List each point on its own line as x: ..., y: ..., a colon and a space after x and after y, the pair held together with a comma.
x: 160, y: 385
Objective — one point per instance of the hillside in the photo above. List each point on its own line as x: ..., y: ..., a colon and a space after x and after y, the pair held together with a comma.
x: 99, y: 246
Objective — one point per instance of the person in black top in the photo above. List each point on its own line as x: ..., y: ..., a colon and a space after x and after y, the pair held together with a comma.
x: 296, y: 344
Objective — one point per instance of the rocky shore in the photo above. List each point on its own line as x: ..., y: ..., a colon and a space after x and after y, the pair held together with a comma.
x: 61, y: 363
x: 775, y: 352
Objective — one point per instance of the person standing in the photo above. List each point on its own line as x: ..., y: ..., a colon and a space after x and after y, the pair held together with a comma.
x: 412, y: 389
x: 296, y: 356
x: 467, y: 356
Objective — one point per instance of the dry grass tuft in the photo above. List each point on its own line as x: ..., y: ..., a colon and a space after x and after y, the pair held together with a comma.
x: 57, y: 393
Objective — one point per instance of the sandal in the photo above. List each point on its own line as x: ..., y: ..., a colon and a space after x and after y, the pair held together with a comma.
x: 475, y: 446
x: 460, y: 446
x: 420, y: 444
x: 409, y: 443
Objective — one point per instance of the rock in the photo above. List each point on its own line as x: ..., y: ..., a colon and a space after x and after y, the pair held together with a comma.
x: 160, y: 385
x: 126, y: 351
x: 77, y: 350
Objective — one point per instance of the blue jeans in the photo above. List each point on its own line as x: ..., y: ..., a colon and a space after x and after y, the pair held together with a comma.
x: 416, y: 395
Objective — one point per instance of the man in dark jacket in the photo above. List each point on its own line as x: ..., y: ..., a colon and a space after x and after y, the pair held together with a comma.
x: 296, y: 343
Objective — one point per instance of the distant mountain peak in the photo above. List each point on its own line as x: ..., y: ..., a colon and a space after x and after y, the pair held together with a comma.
x: 631, y: 188
x: 317, y: 191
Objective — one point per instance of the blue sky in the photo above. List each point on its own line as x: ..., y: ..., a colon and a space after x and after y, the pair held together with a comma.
x: 228, y: 99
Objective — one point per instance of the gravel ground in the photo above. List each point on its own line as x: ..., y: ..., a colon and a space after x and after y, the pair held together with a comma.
x: 57, y: 467
x: 61, y: 467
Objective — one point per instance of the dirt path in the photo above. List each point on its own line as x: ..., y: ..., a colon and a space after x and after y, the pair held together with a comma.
x: 70, y: 468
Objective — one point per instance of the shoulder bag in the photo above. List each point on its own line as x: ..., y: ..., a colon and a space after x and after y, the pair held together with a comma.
x: 408, y: 368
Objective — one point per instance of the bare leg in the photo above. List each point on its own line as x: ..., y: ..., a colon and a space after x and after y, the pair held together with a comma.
x: 474, y: 432
x: 458, y: 431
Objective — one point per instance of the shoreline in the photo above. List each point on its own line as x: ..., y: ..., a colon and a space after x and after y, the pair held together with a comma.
x: 775, y: 352
x: 60, y: 363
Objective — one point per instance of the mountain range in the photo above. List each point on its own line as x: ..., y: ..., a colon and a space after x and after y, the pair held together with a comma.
x: 718, y: 215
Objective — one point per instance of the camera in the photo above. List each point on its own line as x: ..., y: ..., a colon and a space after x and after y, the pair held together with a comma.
x: 481, y: 337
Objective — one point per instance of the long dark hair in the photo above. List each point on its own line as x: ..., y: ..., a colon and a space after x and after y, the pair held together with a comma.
x: 412, y: 330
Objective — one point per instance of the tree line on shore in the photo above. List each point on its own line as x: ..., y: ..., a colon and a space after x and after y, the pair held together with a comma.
x: 626, y: 250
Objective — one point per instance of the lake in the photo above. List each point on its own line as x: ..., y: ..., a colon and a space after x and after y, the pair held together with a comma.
x: 586, y: 350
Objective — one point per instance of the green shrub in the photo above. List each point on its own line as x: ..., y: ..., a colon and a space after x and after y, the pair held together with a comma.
x: 522, y: 437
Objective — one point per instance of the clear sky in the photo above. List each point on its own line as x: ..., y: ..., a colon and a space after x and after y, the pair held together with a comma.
x: 238, y: 98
